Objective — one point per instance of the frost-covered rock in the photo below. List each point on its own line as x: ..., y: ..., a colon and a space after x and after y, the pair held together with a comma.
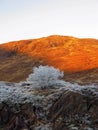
x: 19, y: 95
x: 78, y: 106
x: 64, y: 102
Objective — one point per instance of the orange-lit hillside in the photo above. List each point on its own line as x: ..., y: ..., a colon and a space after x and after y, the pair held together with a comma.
x: 66, y: 53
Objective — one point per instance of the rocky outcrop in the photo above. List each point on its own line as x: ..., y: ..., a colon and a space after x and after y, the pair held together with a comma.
x: 13, y: 118
x: 58, y: 108
x: 76, y: 109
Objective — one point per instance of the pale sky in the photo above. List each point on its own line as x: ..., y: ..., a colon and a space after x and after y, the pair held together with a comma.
x: 28, y: 19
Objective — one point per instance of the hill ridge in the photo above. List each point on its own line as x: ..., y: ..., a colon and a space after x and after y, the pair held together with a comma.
x: 64, y: 52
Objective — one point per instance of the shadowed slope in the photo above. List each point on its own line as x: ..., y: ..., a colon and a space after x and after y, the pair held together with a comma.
x: 66, y: 53
x: 16, y: 67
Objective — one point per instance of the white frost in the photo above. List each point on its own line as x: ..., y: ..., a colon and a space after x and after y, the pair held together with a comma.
x: 17, y: 93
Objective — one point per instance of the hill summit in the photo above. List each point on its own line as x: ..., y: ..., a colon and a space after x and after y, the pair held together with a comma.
x: 78, y: 58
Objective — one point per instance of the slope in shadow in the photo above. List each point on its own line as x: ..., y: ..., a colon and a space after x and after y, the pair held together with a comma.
x: 15, y: 67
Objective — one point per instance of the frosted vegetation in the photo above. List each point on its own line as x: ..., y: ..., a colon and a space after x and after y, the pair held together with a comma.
x: 43, y: 77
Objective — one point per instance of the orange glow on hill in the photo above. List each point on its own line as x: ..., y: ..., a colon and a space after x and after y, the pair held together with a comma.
x: 65, y: 53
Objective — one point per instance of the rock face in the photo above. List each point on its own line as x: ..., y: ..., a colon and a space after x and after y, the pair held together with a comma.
x: 65, y: 108
x: 75, y: 108
x: 13, y: 119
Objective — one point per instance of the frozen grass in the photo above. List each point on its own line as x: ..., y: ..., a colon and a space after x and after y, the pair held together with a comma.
x: 19, y: 93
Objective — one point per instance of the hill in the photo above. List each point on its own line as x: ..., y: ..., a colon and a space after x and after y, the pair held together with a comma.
x: 78, y: 58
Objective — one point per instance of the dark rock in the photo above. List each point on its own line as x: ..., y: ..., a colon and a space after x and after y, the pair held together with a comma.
x: 74, y: 104
x: 71, y: 108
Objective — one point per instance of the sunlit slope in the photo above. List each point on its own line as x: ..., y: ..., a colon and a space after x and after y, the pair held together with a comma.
x: 66, y: 53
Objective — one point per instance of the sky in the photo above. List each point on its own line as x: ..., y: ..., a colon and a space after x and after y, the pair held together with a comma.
x: 29, y: 19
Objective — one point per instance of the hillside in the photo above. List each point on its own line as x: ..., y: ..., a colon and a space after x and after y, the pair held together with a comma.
x: 78, y: 58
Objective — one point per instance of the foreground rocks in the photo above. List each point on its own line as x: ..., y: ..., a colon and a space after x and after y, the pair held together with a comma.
x: 75, y: 111
x: 13, y: 118
x: 65, y: 108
